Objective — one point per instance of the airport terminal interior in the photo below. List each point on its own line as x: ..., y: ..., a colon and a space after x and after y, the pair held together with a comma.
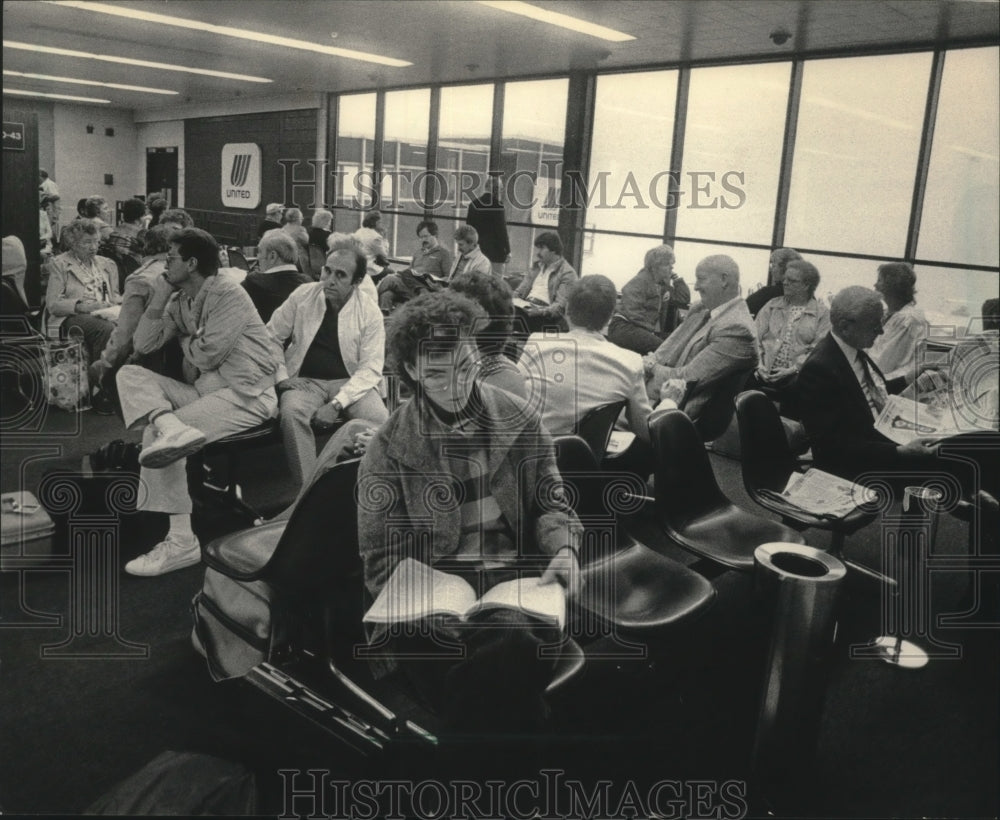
x: 262, y: 224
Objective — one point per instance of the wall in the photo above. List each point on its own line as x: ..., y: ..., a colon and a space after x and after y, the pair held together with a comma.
x: 83, y: 159
x: 46, y: 130
x: 280, y: 135
x: 160, y: 135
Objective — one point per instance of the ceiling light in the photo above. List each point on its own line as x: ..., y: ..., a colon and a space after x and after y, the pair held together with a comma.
x: 227, y: 31
x: 556, y: 19
x: 49, y: 78
x: 52, y: 96
x: 86, y: 55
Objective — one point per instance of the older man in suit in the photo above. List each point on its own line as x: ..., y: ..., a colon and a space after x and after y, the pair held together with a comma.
x: 705, y: 361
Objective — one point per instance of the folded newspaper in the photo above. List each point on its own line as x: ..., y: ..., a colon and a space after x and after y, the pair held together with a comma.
x: 821, y: 494
x: 904, y: 419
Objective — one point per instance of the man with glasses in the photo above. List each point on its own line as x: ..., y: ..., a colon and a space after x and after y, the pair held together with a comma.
x: 231, y: 365
x: 335, y: 347
x: 428, y: 271
x: 651, y: 304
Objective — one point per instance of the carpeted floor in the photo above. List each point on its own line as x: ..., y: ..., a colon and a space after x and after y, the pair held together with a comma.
x: 79, y: 713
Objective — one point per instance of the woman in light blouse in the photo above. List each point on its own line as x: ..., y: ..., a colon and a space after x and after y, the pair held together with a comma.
x: 789, y: 326
x: 79, y: 284
x: 895, y: 351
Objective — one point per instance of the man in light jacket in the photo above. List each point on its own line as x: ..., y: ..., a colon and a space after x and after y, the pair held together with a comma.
x: 335, y: 348
x: 231, y: 365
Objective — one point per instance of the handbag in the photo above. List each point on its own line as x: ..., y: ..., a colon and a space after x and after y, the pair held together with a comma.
x: 235, y: 624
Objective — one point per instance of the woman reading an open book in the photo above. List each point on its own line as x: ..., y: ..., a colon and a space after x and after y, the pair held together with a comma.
x: 463, y: 479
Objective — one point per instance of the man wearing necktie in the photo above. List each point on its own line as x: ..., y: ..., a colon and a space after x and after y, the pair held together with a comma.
x: 710, y: 353
x: 842, y: 392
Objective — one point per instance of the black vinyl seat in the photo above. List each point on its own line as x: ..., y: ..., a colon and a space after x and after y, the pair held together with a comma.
x: 231, y: 449
x: 626, y: 584
x: 691, y: 507
x: 595, y: 426
x: 768, y: 462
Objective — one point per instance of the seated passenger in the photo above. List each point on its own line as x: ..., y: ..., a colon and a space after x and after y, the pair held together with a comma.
x: 350, y: 242
x: 547, y: 284
x: 776, y: 271
x: 789, y: 327
x: 492, y: 522
x: 374, y: 245
x: 493, y: 295
x: 97, y: 209
x: 904, y: 327
x: 139, y: 287
x: 320, y: 230
x: 272, y: 220
x: 79, y: 284
x: 277, y: 254
x: 231, y: 365
x: 580, y: 370
x: 650, y: 304
x: 470, y: 258
x: 428, y: 270
x: 177, y: 217
x: 335, y: 347
x: 124, y: 241
x: 713, y: 347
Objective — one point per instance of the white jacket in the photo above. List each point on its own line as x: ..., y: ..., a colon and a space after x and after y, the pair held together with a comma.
x: 360, y: 332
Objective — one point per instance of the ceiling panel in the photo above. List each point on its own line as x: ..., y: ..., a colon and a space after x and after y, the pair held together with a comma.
x: 449, y: 41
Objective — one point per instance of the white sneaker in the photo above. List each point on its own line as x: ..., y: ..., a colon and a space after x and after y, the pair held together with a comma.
x: 165, y: 557
x: 166, y: 449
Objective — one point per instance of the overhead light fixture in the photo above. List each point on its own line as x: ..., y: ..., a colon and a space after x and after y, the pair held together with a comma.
x: 228, y: 31
x: 53, y: 96
x: 106, y: 58
x: 52, y: 79
x: 555, y: 18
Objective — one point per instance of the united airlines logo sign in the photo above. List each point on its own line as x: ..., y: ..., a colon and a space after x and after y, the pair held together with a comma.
x: 241, y: 175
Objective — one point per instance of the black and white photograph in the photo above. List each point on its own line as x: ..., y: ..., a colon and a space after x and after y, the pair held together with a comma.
x: 483, y: 409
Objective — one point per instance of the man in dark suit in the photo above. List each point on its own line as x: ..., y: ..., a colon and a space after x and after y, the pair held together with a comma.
x: 842, y: 391
x: 486, y: 214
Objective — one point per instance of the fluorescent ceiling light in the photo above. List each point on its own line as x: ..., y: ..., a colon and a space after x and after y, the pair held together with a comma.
x: 556, y: 19
x: 50, y: 78
x: 52, y: 96
x: 227, y: 31
x: 86, y: 55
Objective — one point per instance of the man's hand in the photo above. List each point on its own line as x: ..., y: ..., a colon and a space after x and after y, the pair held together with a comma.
x: 326, y: 417
x: 776, y: 376
x: 918, y: 448
x: 564, y: 567
x: 674, y: 390
x: 296, y: 383
x: 162, y: 292
x: 90, y: 305
x: 361, y: 441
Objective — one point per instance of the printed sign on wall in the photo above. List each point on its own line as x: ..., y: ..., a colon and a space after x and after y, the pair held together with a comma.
x: 241, y: 175
x: 13, y: 136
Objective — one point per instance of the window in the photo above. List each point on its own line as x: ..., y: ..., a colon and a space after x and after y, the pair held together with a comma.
x: 630, y: 154
x: 355, y: 150
x: 404, y: 149
x: 465, y: 126
x: 732, y: 152
x: 856, y: 153
x: 961, y: 217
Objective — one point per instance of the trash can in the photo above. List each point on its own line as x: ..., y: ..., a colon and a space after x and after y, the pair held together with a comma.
x: 798, y: 587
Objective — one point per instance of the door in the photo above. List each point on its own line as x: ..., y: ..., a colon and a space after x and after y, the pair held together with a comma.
x: 161, y: 173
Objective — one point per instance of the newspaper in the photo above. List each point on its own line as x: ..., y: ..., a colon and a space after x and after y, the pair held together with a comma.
x: 903, y: 420
x: 823, y: 495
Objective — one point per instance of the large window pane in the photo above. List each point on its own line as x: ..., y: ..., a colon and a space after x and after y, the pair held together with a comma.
x: 856, y: 153
x: 732, y: 152
x: 464, y: 129
x: 961, y: 219
x: 630, y: 154
x: 404, y: 148
x: 355, y: 149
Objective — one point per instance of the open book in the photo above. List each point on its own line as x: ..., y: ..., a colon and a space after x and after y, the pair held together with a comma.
x: 822, y: 494
x: 415, y: 591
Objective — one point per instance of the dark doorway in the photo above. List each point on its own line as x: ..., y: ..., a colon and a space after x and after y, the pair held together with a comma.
x: 161, y: 173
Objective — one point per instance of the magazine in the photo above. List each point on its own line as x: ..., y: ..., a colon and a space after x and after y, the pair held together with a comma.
x: 822, y: 494
x: 416, y: 590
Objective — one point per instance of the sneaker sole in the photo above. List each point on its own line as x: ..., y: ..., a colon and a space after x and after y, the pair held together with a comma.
x: 190, y: 561
x: 166, y: 456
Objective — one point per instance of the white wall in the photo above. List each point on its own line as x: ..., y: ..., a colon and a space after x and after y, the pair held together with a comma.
x: 165, y: 134
x: 82, y: 159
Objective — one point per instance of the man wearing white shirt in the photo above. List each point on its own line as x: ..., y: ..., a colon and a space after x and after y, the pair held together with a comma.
x: 334, y: 356
x: 547, y: 284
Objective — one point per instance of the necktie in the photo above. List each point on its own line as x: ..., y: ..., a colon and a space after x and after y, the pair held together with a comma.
x: 873, y: 391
